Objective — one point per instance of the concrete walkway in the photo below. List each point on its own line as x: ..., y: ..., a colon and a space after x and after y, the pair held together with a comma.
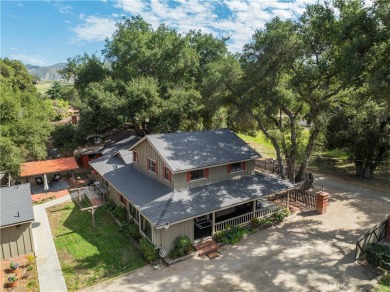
x: 49, y: 268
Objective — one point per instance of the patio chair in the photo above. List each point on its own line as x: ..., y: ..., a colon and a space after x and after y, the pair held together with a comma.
x: 39, y: 180
x: 56, y: 177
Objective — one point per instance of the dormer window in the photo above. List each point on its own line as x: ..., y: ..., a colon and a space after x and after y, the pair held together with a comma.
x: 152, y: 165
x: 167, y: 174
x: 135, y: 156
x: 197, y: 174
x: 236, y: 166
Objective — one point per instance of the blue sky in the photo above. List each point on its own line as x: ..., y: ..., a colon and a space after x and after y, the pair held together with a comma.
x: 49, y: 32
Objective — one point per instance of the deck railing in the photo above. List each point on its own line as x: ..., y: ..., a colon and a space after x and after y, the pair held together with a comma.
x: 246, y: 218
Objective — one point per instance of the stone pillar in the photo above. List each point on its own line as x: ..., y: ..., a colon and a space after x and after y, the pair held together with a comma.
x: 388, y: 229
x: 322, y: 202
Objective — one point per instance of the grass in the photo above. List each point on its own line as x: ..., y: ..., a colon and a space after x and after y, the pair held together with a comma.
x: 260, y: 143
x: 384, y: 283
x: 90, y: 256
x: 336, y: 153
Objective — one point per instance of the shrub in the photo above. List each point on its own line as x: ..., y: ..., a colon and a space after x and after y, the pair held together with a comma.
x: 231, y: 235
x: 120, y: 213
x: 265, y: 222
x: 378, y: 256
x: 183, y: 246
x: 31, y: 259
x: 133, y: 231
x: 385, y: 280
x: 109, y: 206
x: 255, y: 223
x: 148, y: 249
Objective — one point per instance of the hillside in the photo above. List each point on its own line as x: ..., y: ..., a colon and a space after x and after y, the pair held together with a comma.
x: 46, y: 73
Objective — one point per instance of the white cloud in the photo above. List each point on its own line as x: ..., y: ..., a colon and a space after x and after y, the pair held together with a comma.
x: 66, y: 21
x: 235, y: 18
x: 238, y: 19
x: 94, y: 28
x: 13, y: 49
x: 28, y: 59
x: 20, y: 5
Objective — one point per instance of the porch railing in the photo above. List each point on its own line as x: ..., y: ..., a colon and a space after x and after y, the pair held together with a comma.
x: 246, y: 218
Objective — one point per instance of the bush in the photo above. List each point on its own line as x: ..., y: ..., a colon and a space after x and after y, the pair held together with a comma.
x: 148, y: 250
x: 110, y: 206
x: 255, y: 223
x: 183, y: 246
x: 231, y: 235
x: 133, y: 231
x: 120, y: 213
x: 378, y: 256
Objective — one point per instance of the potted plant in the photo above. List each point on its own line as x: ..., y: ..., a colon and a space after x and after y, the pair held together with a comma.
x: 13, y: 266
x: 12, y: 281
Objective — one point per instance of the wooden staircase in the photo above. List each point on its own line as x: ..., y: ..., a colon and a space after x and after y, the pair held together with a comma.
x: 206, y: 246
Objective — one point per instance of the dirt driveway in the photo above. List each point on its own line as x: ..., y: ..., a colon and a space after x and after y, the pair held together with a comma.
x: 309, y: 252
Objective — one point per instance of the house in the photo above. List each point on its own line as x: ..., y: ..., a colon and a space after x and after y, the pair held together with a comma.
x: 189, y: 183
x: 15, y: 221
x: 87, y: 154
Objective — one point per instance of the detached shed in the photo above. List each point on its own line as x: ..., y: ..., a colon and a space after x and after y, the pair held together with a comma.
x: 15, y: 221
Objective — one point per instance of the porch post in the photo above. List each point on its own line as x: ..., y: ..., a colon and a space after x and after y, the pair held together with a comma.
x: 254, y: 208
x: 212, y: 223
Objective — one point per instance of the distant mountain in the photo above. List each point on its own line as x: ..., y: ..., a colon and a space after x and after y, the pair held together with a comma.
x: 46, y: 73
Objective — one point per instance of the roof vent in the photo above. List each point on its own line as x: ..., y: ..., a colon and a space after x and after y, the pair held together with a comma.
x: 17, y: 215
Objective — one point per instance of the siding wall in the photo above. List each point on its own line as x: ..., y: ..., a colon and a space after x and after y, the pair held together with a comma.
x: 216, y: 174
x: 166, y: 237
x: 144, y: 151
x: 16, y: 241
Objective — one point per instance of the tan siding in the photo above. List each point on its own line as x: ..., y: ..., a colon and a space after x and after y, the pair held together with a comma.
x: 145, y: 151
x: 166, y: 237
x: 216, y: 174
x: 16, y: 241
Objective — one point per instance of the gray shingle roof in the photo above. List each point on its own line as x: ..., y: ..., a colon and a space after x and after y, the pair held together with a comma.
x: 197, y: 149
x: 189, y: 203
x: 137, y: 187
x: 16, y: 205
x: 120, y: 145
x: 161, y: 204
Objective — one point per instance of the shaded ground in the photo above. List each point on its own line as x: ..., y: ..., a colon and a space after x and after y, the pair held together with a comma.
x: 89, y: 256
x: 307, y: 253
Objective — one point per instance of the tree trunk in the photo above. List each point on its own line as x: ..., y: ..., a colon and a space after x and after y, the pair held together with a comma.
x: 305, y: 162
x: 358, y: 168
x: 276, y: 146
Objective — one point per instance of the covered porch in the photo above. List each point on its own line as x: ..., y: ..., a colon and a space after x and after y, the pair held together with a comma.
x: 208, y: 225
x: 48, y: 175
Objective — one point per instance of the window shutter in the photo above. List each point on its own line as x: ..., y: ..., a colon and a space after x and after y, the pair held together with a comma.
x: 206, y: 172
x: 156, y: 167
x: 188, y: 175
x: 169, y: 175
x: 147, y: 164
x: 229, y: 168
x: 134, y: 156
x: 243, y: 165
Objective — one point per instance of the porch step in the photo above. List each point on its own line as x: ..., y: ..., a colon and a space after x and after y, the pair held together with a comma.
x: 205, y: 247
x: 208, y: 249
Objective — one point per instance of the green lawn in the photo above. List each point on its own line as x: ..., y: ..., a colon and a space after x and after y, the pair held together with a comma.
x: 260, y: 143
x: 90, y: 256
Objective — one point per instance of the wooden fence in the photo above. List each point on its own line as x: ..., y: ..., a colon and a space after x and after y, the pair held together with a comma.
x: 373, y: 235
x: 308, y: 198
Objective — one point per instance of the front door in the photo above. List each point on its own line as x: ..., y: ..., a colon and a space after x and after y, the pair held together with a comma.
x: 202, y: 227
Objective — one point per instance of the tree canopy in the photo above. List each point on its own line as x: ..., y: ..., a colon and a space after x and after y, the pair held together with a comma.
x: 25, y: 116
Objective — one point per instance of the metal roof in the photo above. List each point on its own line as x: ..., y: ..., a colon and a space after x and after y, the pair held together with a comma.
x: 124, y: 144
x: 197, y: 149
x: 162, y: 205
x: 16, y: 205
x: 48, y: 166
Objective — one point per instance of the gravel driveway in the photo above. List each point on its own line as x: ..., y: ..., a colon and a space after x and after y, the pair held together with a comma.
x: 309, y: 252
